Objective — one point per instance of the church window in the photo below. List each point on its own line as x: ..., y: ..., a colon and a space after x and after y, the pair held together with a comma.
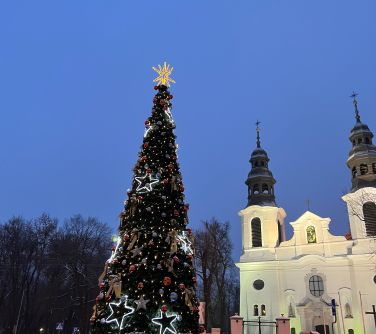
x: 293, y: 330
x: 348, y: 313
x: 256, y: 232
x: 374, y: 168
x: 311, y: 235
x: 354, y: 172
x: 258, y: 284
x: 316, y: 286
x: 279, y: 232
x: 354, y: 142
x: 262, y: 163
x: 359, y: 140
x: 351, y: 331
x: 263, y: 309
x: 363, y: 169
x: 255, y: 310
x: 256, y: 164
x: 367, y: 140
x: 291, y: 312
x: 369, y: 213
x: 265, y: 188
x: 256, y: 189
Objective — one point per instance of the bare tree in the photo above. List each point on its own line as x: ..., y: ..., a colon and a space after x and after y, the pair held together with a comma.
x: 215, y: 269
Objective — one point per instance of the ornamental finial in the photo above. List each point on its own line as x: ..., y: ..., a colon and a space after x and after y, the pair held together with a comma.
x: 355, y: 103
x: 163, y: 74
x: 258, y: 133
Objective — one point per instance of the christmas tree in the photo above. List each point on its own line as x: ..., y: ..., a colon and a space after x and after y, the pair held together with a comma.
x: 148, y: 283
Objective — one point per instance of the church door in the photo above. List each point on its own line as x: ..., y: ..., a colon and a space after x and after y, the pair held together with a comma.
x: 322, y: 329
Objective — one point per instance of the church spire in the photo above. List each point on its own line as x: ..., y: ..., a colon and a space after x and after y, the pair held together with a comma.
x: 260, y: 179
x: 258, y: 134
x: 362, y: 157
x: 355, y: 103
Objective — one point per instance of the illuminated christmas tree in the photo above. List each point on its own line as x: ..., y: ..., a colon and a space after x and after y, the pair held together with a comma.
x: 148, y: 284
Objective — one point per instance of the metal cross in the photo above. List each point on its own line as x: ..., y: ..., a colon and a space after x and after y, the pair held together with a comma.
x: 374, y: 313
x: 355, y: 103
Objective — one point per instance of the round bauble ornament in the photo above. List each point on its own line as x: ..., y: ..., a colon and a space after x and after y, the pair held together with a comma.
x: 146, y: 145
x: 194, y: 279
x: 163, y: 214
x: 124, y: 262
x: 164, y: 308
x: 161, y: 291
x: 179, y: 317
x: 132, y: 268
x: 154, y: 234
x: 166, y: 281
x: 159, y: 266
x: 163, y: 197
x: 159, y: 123
x: 148, y: 171
x: 148, y: 209
x: 173, y: 296
x: 103, y: 321
x: 176, y: 259
x: 140, y: 285
x: 181, y: 188
x: 167, y: 156
x: 189, y: 256
x: 102, y: 285
x: 185, y: 264
x: 143, y: 261
x: 156, y: 87
x: 176, y: 213
x: 195, y: 309
x: 182, y: 286
x: 147, y: 122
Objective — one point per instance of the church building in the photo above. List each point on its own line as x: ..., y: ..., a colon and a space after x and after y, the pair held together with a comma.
x: 315, y: 274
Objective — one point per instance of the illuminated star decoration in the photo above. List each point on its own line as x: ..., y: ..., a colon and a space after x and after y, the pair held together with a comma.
x: 169, y: 115
x: 145, y: 183
x: 147, y: 130
x: 163, y: 74
x: 141, y: 303
x: 115, y: 251
x: 117, y: 310
x: 165, y: 322
x: 186, y: 243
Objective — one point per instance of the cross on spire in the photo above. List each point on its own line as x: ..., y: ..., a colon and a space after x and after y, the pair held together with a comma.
x: 355, y: 103
x: 258, y: 133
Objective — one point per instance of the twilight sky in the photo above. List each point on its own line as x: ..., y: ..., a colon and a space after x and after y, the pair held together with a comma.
x: 76, y: 87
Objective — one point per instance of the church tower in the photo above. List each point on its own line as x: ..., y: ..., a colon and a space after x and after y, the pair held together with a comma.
x: 262, y: 221
x: 361, y: 200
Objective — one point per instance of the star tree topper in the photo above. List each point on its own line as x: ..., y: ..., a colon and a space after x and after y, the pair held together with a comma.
x: 164, y: 74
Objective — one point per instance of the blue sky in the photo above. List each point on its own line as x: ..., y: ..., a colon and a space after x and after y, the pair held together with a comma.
x: 76, y: 87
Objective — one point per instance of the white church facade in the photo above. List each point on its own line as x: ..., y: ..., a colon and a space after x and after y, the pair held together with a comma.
x: 314, y: 272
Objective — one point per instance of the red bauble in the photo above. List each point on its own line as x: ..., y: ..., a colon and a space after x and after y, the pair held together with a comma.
x: 182, y: 286
x: 132, y: 268
x: 102, y: 285
x: 125, y: 237
x: 195, y: 309
x: 181, y: 188
x: 189, y: 256
x: 147, y: 122
x: 176, y: 213
x: 146, y: 145
x: 140, y: 285
x: 166, y: 281
x: 194, y: 279
x: 148, y: 171
x: 164, y: 308
x: 176, y: 259
x: 156, y: 87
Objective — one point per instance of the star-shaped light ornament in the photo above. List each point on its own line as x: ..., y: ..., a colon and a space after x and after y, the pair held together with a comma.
x: 141, y: 303
x: 165, y: 323
x: 119, y: 310
x: 185, y: 243
x: 163, y: 74
x: 169, y: 115
x: 145, y: 183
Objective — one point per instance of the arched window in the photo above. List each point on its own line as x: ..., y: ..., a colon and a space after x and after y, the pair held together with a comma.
x: 255, y: 310
x: 369, y: 213
x: 291, y: 313
x: 351, y: 331
x: 316, y: 286
x: 293, y: 330
x: 348, y: 313
x: 265, y: 188
x: 256, y: 232
x: 263, y: 309
x: 363, y: 169
x: 367, y: 140
x: 359, y: 140
x: 256, y: 189
x: 354, y: 172
x: 311, y: 235
x: 354, y: 142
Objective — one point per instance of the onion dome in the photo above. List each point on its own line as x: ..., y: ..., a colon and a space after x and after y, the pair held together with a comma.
x: 260, y: 179
x: 362, y: 157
